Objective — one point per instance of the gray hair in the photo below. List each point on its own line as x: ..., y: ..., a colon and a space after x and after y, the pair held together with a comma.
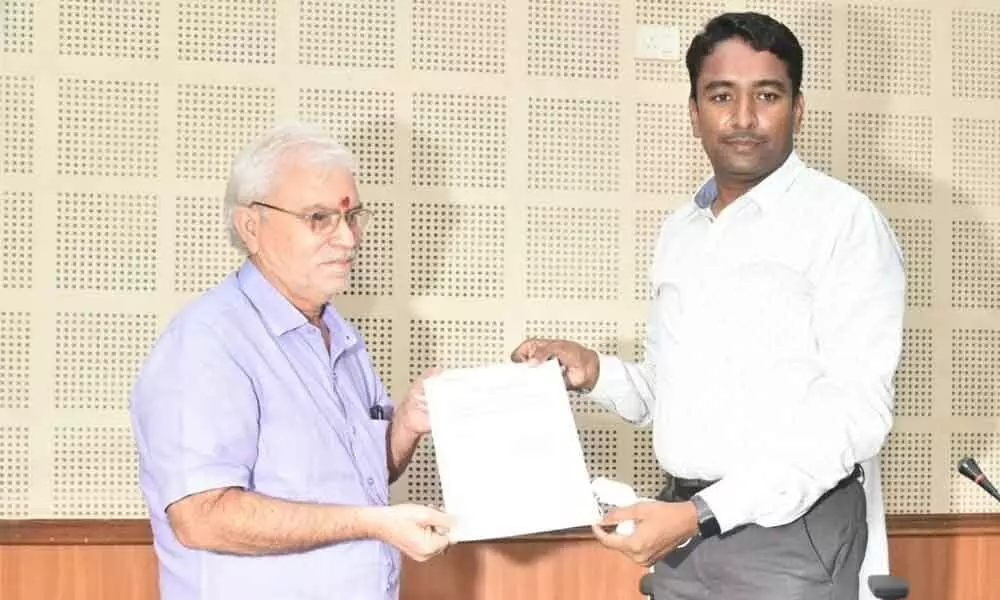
x: 255, y: 168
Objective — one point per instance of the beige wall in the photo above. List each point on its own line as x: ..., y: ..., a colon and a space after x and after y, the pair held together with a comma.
x: 495, y: 137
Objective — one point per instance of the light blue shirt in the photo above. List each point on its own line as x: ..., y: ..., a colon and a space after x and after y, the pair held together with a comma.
x: 240, y: 391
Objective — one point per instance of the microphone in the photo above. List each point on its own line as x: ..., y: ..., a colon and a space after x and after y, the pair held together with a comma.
x: 968, y: 467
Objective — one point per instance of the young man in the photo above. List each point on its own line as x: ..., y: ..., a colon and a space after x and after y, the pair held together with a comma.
x: 773, y: 338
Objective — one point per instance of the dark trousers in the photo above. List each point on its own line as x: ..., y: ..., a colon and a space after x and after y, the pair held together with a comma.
x: 816, y: 557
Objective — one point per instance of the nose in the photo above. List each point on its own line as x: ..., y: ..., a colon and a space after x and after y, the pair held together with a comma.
x: 744, y: 114
x: 345, y: 235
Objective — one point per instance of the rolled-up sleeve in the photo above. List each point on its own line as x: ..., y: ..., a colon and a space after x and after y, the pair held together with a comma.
x: 194, y: 416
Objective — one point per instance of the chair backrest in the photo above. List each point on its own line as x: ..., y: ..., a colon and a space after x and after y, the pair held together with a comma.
x: 887, y: 587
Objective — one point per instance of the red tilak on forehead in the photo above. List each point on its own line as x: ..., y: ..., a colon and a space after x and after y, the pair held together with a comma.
x: 345, y: 202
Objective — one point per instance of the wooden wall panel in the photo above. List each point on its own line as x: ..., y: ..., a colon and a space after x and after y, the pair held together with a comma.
x: 944, y: 557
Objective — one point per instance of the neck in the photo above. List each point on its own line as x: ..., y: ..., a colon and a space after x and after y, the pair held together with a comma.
x: 729, y: 191
x: 313, y: 311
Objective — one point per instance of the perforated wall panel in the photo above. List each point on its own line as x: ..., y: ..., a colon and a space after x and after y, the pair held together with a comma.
x: 372, y: 272
x: 15, y: 360
x: 889, y: 156
x: 906, y: 472
x: 203, y: 255
x: 889, y: 49
x: 573, y: 144
x: 915, y: 375
x: 459, y: 36
x: 669, y: 159
x: 814, y: 143
x: 16, y: 226
x: 975, y: 176
x: 422, y: 482
x: 600, y: 451
x: 648, y: 476
x: 227, y: 31
x: 454, y: 344
x: 96, y: 473
x: 573, y: 39
x: 17, y: 124
x: 107, y: 127
x: 377, y: 333
x: 97, y: 356
x: 916, y: 238
x: 457, y: 250
x: 15, y: 475
x: 214, y: 122
x: 572, y: 253
x: 975, y: 56
x: 357, y: 34
x: 106, y: 242
x: 459, y: 141
x: 975, y: 378
x: 18, y: 27
x: 639, y: 341
x: 113, y: 29
x: 975, y: 250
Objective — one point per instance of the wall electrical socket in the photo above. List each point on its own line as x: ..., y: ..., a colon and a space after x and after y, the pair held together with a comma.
x: 657, y: 42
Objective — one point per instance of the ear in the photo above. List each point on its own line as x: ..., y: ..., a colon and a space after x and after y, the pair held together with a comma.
x: 247, y: 223
x: 798, y: 110
x: 693, y: 110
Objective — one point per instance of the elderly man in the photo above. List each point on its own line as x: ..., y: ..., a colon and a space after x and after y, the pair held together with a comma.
x: 266, y: 440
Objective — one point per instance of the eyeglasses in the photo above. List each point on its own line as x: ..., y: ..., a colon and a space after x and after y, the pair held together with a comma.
x: 325, y: 222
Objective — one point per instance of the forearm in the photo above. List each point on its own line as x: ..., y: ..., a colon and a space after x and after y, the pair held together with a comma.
x: 400, y: 446
x: 242, y: 522
x: 626, y: 389
x: 803, y: 455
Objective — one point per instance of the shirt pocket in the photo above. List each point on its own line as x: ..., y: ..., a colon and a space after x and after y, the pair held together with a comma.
x: 769, y: 305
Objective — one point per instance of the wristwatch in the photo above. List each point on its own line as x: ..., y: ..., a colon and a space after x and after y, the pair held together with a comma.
x: 708, y: 525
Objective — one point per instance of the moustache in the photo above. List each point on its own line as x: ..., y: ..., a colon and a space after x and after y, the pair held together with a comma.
x: 743, y: 139
x: 353, y: 254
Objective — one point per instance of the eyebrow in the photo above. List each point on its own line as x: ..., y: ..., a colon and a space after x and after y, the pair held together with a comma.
x: 761, y: 83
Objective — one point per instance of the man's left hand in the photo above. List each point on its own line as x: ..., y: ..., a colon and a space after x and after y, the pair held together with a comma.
x: 659, y: 528
x: 411, y: 414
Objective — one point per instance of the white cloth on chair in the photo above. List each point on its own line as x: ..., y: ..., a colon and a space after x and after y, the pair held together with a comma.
x: 877, y: 553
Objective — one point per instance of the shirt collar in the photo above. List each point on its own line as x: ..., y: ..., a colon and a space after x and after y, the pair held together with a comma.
x: 765, y: 194
x: 279, y: 315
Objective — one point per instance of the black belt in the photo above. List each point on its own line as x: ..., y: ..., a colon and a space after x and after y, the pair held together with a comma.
x: 682, y: 489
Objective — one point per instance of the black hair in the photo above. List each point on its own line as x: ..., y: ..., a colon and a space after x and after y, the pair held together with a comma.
x: 760, y: 31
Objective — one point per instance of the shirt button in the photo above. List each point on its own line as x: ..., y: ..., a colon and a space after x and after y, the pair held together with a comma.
x: 371, y: 481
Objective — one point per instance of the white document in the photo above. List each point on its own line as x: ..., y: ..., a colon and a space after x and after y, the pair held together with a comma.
x: 507, y: 451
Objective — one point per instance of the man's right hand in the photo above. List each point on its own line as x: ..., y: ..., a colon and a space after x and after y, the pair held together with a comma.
x: 580, y: 365
x: 417, y: 531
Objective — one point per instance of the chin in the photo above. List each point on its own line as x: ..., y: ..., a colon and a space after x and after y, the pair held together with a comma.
x: 747, y: 168
x: 336, y: 288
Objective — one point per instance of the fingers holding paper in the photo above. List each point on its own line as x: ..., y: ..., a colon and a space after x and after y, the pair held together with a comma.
x: 412, y: 411
x: 580, y: 365
x: 659, y: 528
x: 418, y: 531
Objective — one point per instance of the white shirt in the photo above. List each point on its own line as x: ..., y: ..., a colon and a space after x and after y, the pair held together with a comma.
x: 773, y: 337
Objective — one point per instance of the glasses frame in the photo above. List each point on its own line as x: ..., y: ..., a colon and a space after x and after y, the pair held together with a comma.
x: 310, y: 218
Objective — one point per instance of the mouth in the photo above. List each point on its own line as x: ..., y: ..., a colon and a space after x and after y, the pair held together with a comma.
x: 339, y: 263
x: 742, y: 143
